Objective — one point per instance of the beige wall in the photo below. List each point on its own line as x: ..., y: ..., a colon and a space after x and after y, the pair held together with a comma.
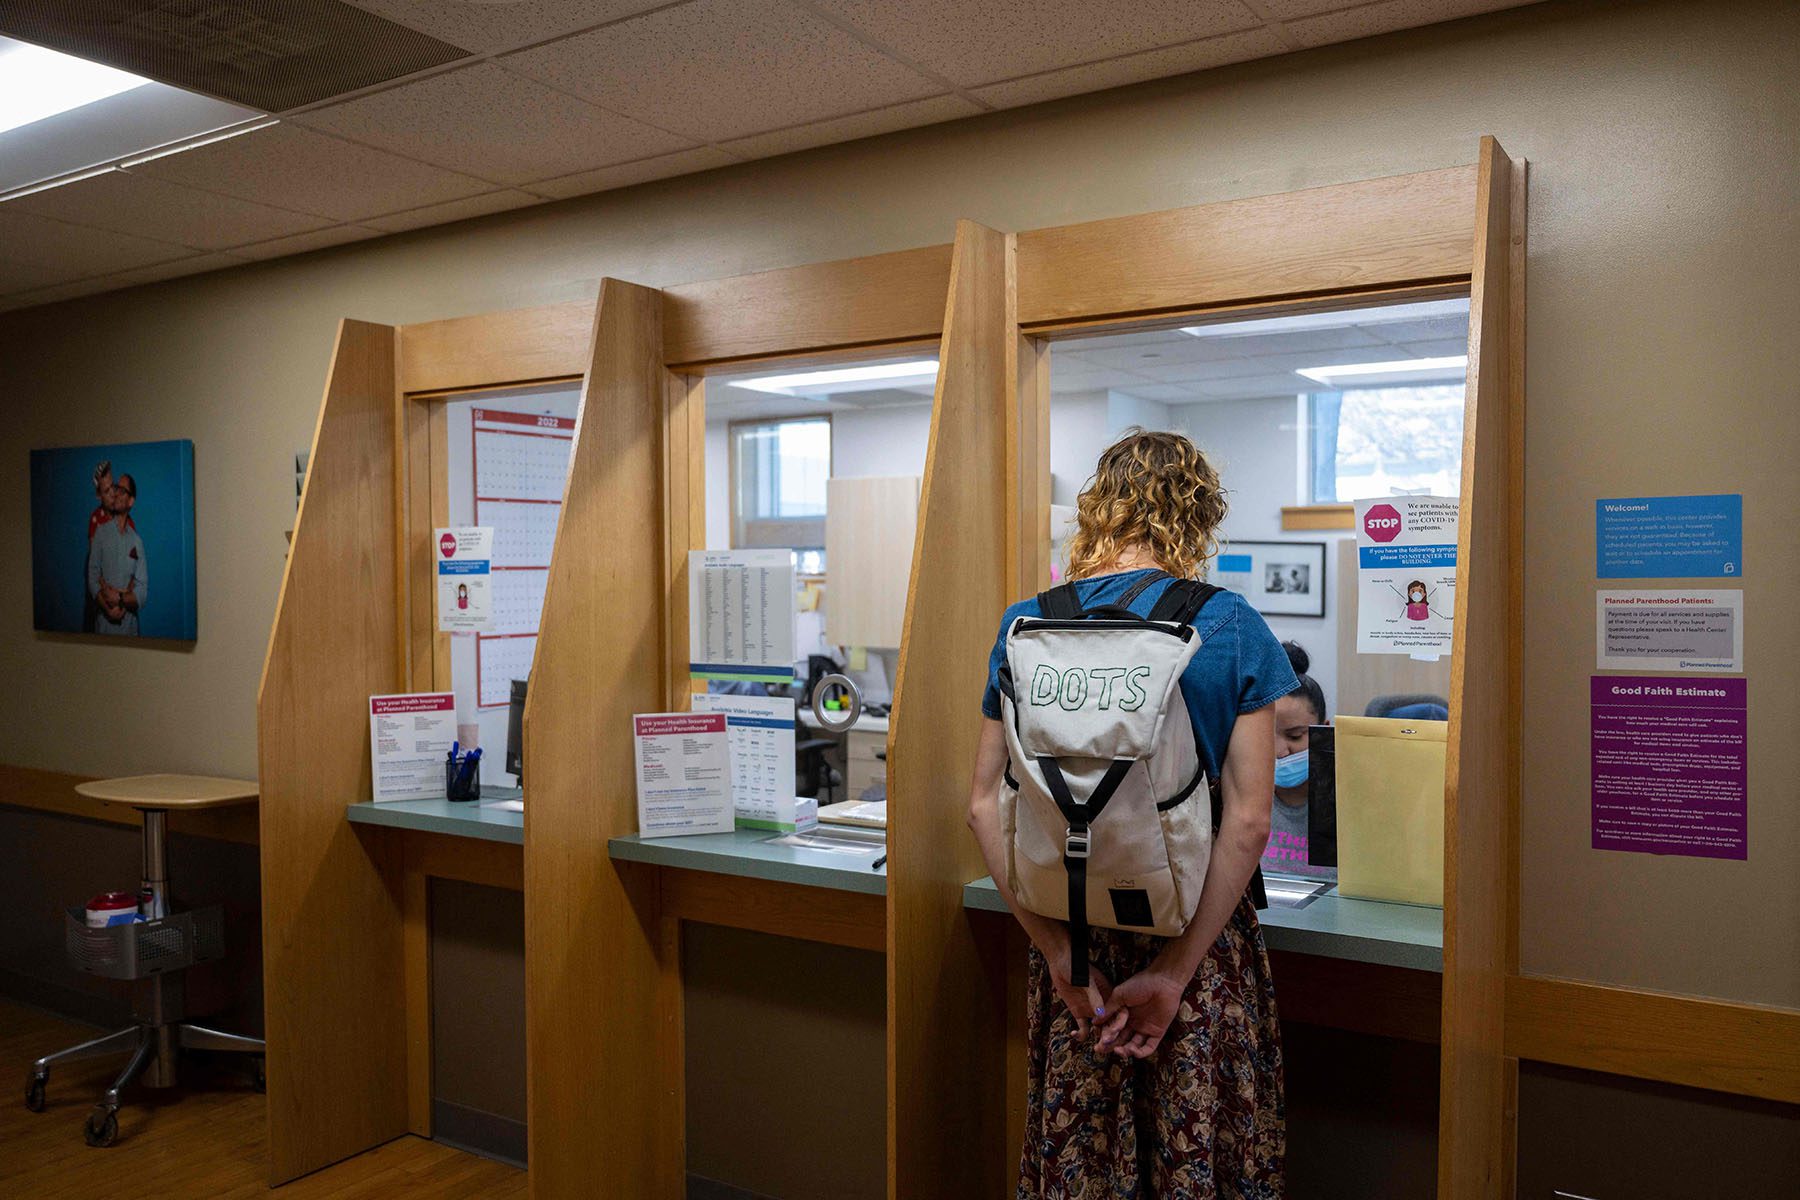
x: 1664, y: 284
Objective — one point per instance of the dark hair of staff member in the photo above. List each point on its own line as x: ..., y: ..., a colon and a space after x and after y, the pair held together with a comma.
x: 1164, y: 1077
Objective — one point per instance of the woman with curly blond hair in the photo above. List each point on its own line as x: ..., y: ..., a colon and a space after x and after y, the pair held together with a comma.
x: 1163, y: 1077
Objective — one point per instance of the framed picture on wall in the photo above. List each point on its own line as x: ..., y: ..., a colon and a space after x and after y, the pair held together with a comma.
x: 112, y: 540
x: 1278, y: 578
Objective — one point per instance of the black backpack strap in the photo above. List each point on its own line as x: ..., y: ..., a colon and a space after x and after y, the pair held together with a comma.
x: 1140, y: 587
x: 1075, y: 849
x: 1061, y: 603
x: 1182, y: 601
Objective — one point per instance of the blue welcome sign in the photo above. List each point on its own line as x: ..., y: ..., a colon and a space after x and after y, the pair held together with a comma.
x: 1669, y: 537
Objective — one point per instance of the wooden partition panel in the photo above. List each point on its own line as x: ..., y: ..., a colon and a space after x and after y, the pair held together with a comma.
x: 1374, y: 235
x: 946, y: 1102
x: 862, y: 302
x: 1481, y: 776
x: 602, y: 1103
x: 334, y: 997
x: 520, y: 345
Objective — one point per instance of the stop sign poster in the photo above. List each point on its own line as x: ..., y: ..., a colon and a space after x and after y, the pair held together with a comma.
x: 1406, y: 575
x: 465, y: 597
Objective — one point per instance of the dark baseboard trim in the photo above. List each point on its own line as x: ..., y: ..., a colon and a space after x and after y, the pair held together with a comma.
x: 478, y: 1132
x: 701, y: 1188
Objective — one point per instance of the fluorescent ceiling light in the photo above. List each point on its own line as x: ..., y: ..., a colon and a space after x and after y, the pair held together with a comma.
x: 36, y: 83
x: 1402, y: 368
x: 1424, y: 310
x: 844, y: 379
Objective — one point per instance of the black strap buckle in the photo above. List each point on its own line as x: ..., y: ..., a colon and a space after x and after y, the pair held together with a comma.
x: 1077, y: 842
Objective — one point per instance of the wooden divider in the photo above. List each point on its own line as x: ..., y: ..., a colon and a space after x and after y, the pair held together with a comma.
x: 334, y: 1001
x: 946, y: 1101
x: 603, y: 1100
x: 1481, y: 775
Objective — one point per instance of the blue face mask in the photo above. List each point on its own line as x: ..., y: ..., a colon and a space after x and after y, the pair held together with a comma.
x: 1291, y: 771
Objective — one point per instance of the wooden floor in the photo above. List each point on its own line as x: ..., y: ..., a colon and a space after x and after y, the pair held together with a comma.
x: 182, y: 1144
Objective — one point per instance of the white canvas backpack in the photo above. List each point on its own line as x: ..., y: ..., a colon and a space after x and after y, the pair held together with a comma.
x: 1106, y: 814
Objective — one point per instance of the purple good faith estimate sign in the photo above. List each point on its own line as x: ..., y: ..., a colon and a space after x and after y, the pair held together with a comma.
x: 1669, y: 765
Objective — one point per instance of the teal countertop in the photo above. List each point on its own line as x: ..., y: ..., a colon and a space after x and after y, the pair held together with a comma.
x: 749, y: 853
x: 476, y: 819
x: 1332, y: 926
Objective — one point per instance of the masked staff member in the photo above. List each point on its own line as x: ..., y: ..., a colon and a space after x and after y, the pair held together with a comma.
x: 1295, y: 715
x: 118, y: 577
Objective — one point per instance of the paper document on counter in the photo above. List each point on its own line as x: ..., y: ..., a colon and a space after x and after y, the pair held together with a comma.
x: 761, y: 732
x: 409, y: 738
x: 683, y: 773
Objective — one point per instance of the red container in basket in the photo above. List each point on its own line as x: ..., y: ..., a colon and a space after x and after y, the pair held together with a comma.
x: 112, y: 908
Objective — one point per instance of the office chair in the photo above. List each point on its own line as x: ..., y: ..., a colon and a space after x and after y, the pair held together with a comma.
x: 1385, y: 706
x: 813, y: 773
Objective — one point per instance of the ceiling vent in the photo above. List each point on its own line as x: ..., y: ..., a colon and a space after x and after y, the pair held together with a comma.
x: 272, y: 55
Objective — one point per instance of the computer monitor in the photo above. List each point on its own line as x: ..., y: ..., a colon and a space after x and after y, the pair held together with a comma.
x: 515, y: 731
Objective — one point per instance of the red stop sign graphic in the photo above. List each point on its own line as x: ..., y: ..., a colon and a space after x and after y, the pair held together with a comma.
x: 1381, y: 523
x: 447, y: 545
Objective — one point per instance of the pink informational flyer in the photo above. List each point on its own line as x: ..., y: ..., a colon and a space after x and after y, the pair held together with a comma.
x: 1669, y: 765
x: 409, y: 736
x: 683, y: 773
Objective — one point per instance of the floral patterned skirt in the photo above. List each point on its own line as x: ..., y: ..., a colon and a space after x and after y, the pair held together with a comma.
x: 1201, y: 1119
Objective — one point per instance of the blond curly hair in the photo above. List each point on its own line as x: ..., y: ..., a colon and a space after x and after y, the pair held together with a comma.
x: 1154, y: 490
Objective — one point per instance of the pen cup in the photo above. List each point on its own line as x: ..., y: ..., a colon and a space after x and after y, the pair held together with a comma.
x: 462, y: 780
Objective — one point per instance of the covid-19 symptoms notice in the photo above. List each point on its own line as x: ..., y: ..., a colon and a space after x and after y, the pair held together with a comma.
x: 1669, y: 765
x: 1406, y: 575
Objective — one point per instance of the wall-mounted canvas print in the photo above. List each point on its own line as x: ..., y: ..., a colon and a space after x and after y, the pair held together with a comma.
x: 112, y: 540
x: 1278, y: 578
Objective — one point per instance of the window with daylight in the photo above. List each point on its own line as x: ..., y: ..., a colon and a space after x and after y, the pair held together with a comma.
x: 1386, y: 441
x: 779, y: 473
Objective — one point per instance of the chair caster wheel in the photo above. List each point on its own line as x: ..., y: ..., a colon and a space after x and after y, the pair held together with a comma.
x: 102, y: 1126
x: 34, y: 1093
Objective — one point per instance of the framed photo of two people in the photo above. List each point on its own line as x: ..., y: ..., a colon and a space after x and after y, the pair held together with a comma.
x: 112, y: 540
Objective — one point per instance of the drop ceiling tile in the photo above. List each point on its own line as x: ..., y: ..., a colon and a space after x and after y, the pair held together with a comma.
x: 19, y: 276
x: 1116, y: 341
x: 1432, y: 329
x: 1147, y: 358
x: 721, y: 69
x: 141, y: 205
x: 910, y: 115
x: 456, y: 210
x: 487, y: 25
x: 493, y: 124
x: 1299, y: 341
x: 1252, y: 387
x: 290, y: 167
x: 302, y: 243
x: 1443, y: 348
x: 1372, y: 19
x: 196, y: 265
x: 1136, y: 68
x: 1291, y: 10
x: 972, y: 44
x: 1228, y: 368
x: 1162, y: 393
x: 78, y: 250
x: 664, y: 166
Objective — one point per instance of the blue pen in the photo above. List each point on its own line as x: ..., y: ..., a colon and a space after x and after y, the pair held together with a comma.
x: 453, y: 748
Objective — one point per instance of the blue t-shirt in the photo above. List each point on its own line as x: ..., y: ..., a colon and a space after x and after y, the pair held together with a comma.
x: 1239, y: 668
